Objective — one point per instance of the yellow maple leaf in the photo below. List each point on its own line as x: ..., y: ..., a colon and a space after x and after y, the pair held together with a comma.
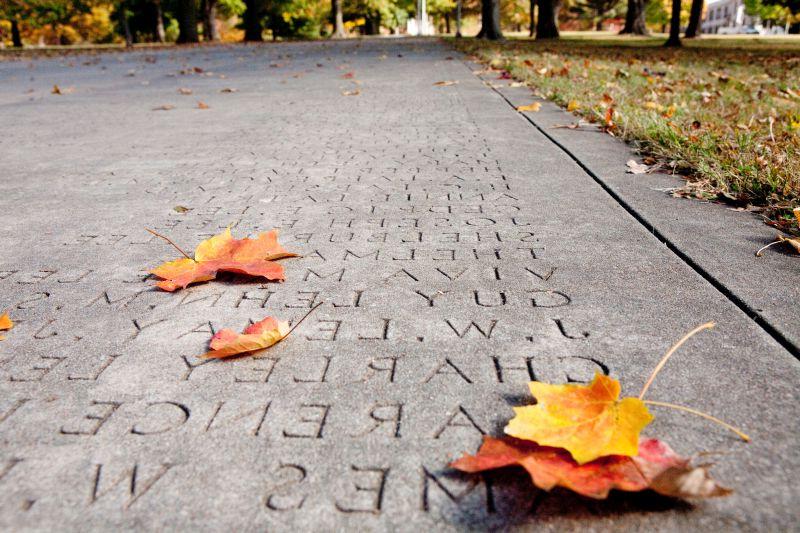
x: 589, y: 421
x: 573, y: 105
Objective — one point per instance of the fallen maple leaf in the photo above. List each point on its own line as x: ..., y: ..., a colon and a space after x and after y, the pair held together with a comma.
x: 258, y: 336
x: 202, y: 105
x: 636, y: 168
x: 655, y: 467
x: 223, y: 253
x: 793, y: 241
x: 536, y: 106
x: 589, y: 421
x: 445, y: 83
x: 573, y: 105
x: 5, y: 324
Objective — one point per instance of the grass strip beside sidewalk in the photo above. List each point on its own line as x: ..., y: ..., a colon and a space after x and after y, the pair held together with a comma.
x: 727, y: 117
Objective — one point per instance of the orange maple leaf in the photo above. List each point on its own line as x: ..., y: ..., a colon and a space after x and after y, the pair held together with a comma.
x: 656, y: 467
x: 589, y: 421
x: 258, y: 336
x: 223, y: 253
x: 5, y: 324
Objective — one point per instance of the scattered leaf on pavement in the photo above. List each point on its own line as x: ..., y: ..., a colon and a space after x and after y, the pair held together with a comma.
x: 181, y: 209
x: 258, y: 336
x: 354, y: 92
x: 589, y: 421
x: 573, y: 105
x: 202, y: 105
x: 655, y: 467
x: 184, y: 91
x: 228, y: 90
x: 165, y: 107
x: 445, y: 83
x: 536, y: 106
x: 223, y: 253
x: 5, y: 324
x: 636, y: 168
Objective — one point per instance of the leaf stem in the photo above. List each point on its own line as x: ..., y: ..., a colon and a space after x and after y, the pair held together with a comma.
x: 660, y: 365
x: 760, y: 251
x: 172, y: 243
x: 740, y: 433
x: 301, y: 320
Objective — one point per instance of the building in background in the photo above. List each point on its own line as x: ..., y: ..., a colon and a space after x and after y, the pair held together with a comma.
x: 729, y: 16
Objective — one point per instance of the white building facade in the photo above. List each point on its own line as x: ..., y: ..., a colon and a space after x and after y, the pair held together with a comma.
x: 728, y: 16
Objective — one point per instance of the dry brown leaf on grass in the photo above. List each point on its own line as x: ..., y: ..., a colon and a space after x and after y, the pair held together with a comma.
x: 534, y: 107
x: 445, y: 83
x: 636, y: 168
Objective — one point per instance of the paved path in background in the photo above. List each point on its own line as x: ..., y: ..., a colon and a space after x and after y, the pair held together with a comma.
x: 460, y: 254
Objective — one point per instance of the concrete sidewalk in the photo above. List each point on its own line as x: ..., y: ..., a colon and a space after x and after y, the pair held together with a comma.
x: 460, y: 251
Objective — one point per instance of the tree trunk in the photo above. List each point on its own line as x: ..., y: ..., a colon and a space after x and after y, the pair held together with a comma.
x: 15, y: 37
x: 532, y: 24
x: 447, y: 23
x: 794, y: 28
x: 338, y: 20
x: 160, y: 34
x: 675, y: 25
x: 458, y: 19
x: 210, y: 32
x: 490, y: 20
x: 634, y: 18
x: 252, y: 20
x: 599, y: 24
x: 547, y: 23
x: 187, y: 22
x: 693, y: 29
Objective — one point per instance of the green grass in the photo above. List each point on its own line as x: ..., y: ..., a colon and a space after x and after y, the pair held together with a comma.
x: 723, y: 111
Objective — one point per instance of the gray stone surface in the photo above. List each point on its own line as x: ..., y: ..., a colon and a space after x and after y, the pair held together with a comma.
x: 716, y: 239
x: 458, y: 250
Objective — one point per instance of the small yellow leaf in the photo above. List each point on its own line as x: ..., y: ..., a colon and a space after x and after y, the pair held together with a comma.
x: 5, y: 324
x: 573, y: 105
x: 589, y: 421
x: 536, y: 106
